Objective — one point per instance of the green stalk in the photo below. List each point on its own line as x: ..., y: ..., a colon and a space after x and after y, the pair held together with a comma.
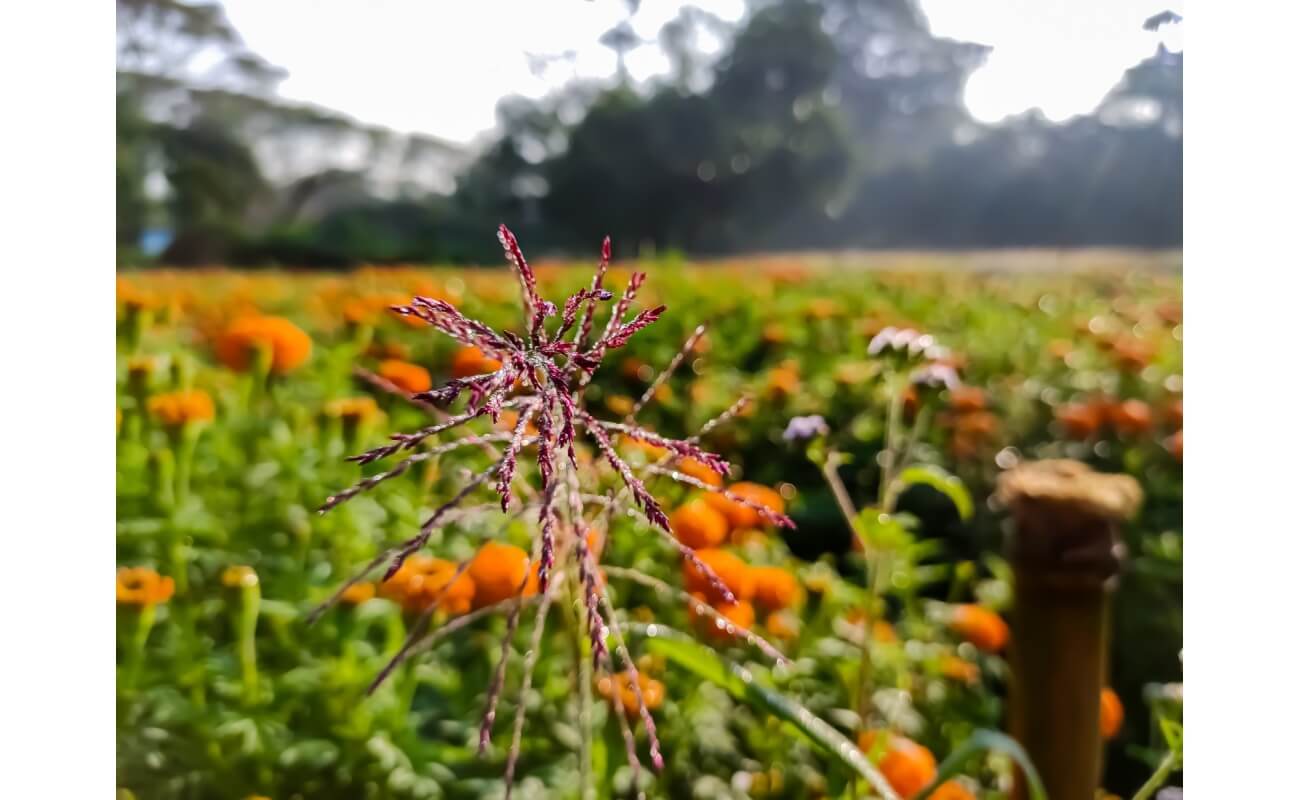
x: 1166, y: 768
x: 250, y: 601
x: 135, y: 650
x: 582, y: 657
x: 186, y: 444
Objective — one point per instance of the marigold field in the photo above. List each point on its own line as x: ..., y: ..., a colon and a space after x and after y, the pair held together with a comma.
x: 240, y: 397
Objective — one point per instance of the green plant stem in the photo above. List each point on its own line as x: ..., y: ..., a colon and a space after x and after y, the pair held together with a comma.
x: 872, y: 569
x: 250, y: 600
x: 891, y: 445
x: 186, y: 444
x: 1158, y: 778
x: 139, y: 636
x: 582, y: 660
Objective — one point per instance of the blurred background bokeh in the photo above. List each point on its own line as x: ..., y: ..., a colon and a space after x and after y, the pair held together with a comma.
x: 711, y: 127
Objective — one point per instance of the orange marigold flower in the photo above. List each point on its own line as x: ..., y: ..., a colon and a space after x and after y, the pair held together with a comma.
x: 742, y: 516
x: 698, y: 470
x: 1174, y: 412
x: 980, y: 627
x: 141, y: 586
x: 908, y: 766
x: 1131, y: 417
x: 176, y: 409
x: 977, y: 424
x: 783, y: 381
x: 952, y: 790
x: 422, y: 580
x: 822, y: 308
x: 289, y: 346
x: 734, y: 573
x: 775, y: 588
x: 634, y: 369
x: 881, y: 630
x: 1080, y: 420
x: 358, y: 593
x: 739, y: 613
x: 360, y: 311
x: 1133, y: 355
x: 1174, y: 444
x: 696, y: 524
x: 1112, y: 713
x: 410, y: 378
x: 498, y: 570
x: 619, y: 687
x: 1060, y: 348
x: 783, y: 625
x: 651, y: 452
x: 959, y: 669
x: 965, y: 399
x: 472, y: 361
x: 774, y: 333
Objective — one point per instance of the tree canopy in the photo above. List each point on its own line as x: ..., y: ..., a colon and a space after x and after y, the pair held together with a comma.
x: 822, y: 124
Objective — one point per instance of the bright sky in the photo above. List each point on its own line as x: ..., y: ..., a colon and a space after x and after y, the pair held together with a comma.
x: 440, y: 67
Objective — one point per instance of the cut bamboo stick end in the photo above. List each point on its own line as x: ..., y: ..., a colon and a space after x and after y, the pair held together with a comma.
x: 1066, y: 553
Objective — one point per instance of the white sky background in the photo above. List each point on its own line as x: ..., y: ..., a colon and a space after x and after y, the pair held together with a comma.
x: 439, y: 66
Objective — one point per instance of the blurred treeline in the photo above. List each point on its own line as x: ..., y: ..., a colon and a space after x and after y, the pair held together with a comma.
x: 822, y: 124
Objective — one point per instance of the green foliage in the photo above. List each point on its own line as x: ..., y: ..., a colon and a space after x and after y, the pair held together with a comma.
x: 201, y: 714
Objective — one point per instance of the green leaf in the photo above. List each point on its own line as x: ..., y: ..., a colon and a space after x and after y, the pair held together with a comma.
x: 742, y: 684
x: 986, y: 740
x: 941, y: 480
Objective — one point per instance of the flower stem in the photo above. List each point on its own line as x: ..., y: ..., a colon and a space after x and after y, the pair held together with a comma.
x: 1166, y: 767
x: 250, y: 600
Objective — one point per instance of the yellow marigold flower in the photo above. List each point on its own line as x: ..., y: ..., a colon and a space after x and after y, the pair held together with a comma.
x: 141, y: 586
x: 620, y: 404
x: 357, y: 409
x: 176, y: 409
x: 384, y: 350
x: 410, y: 378
x: 239, y: 576
x: 289, y: 346
x: 140, y: 369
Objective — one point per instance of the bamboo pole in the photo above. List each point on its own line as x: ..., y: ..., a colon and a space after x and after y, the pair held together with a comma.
x: 1065, y: 554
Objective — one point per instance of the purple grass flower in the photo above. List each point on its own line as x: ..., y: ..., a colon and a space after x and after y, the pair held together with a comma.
x: 800, y: 429
x: 545, y: 369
